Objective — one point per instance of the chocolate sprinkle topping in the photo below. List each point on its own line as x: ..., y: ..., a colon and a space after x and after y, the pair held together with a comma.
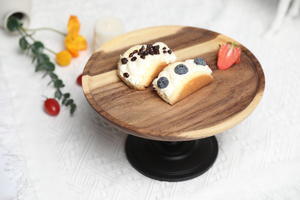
x: 124, y: 60
x: 143, y: 52
x: 126, y: 75
x: 142, y: 49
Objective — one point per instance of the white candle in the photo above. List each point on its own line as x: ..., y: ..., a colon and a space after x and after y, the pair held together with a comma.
x: 107, y: 28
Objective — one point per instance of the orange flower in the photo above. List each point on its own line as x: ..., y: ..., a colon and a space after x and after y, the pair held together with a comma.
x: 73, y: 41
x: 73, y: 25
x: 63, y: 58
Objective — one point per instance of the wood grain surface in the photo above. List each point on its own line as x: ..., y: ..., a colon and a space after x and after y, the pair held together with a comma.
x: 219, y: 106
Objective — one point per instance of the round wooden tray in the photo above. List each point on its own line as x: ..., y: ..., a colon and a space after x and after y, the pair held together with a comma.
x: 219, y: 106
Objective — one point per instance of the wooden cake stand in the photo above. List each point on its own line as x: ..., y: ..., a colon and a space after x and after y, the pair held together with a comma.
x: 173, y: 143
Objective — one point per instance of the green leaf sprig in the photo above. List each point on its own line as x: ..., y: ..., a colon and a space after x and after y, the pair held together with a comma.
x: 42, y: 61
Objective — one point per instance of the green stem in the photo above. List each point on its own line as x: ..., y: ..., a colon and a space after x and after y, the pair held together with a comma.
x: 46, y: 28
x: 20, y: 31
x: 26, y: 34
x: 50, y: 50
x: 24, y: 30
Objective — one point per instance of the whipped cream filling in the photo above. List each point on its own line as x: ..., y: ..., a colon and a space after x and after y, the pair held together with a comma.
x: 175, y: 79
x: 137, y: 68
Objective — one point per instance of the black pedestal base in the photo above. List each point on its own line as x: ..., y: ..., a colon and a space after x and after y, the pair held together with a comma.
x: 171, y: 161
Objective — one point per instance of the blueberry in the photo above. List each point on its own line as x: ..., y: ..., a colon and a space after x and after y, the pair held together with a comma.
x: 162, y: 82
x: 200, y: 61
x: 181, y: 69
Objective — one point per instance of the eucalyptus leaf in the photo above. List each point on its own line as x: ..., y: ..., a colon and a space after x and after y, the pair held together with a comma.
x: 39, y: 67
x: 69, y: 102
x: 34, y: 57
x: 53, y: 76
x: 27, y: 51
x: 64, y: 100
x: 58, y: 94
x: 47, y: 65
x: 37, y: 47
x: 45, y: 74
x: 73, y: 108
x: 23, y: 43
x: 58, y: 83
x: 13, y: 24
x: 49, y: 82
x: 67, y: 95
x: 42, y: 58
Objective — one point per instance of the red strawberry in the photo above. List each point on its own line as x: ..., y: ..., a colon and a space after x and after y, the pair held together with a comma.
x: 238, y: 60
x: 228, y: 54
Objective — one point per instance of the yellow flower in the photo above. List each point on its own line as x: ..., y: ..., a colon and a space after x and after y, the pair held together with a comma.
x: 73, y: 41
x: 63, y: 58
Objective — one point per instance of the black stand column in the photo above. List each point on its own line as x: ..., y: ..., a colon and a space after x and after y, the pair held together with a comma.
x: 171, y: 161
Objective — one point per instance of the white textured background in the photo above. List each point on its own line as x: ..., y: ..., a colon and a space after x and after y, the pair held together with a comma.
x: 82, y: 158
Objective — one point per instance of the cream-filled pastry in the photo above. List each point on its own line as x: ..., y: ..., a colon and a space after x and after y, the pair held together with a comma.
x: 180, y: 79
x: 140, y: 64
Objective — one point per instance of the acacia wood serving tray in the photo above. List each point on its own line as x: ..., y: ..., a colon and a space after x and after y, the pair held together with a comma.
x: 219, y: 106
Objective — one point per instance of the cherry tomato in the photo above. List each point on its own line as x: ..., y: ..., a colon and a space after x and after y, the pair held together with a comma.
x: 52, y: 107
x: 79, y: 80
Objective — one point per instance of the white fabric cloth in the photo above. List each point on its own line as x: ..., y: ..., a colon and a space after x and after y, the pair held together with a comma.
x: 81, y: 157
x: 2, y: 197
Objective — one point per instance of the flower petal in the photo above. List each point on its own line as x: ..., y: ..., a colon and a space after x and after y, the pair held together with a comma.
x: 73, y: 52
x: 73, y: 25
x: 81, y: 43
x: 71, y: 45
